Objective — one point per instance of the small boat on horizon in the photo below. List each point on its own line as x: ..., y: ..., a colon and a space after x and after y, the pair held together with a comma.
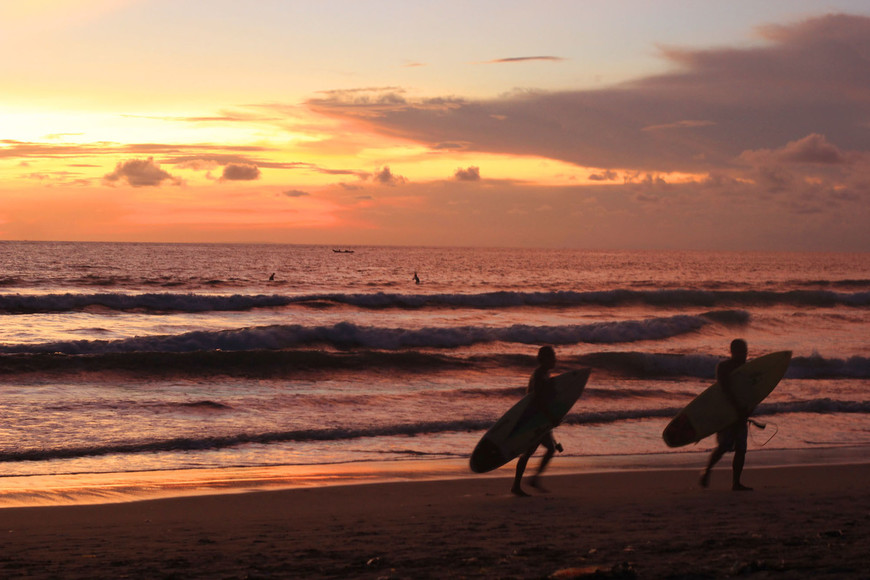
x: 343, y: 251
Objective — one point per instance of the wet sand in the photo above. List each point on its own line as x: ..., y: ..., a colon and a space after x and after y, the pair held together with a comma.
x: 799, y: 522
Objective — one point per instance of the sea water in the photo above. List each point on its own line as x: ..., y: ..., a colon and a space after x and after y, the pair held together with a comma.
x: 118, y: 358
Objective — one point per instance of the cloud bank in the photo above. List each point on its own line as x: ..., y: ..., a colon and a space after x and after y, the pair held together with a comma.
x: 772, y: 141
x: 808, y: 78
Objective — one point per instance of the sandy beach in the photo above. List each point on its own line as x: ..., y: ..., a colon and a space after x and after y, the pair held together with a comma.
x: 799, y: 522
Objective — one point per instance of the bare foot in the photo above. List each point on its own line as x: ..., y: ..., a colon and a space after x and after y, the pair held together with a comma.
x: 536, y: 483
x: 518, y: 491
x: 740, y: 487
x: 705, y: 479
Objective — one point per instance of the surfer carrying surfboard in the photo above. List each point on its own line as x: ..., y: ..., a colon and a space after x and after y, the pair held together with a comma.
x: 541, y: 388
x: 732, y: 438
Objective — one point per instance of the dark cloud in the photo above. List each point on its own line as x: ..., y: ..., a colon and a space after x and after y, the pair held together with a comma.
x: 806, y: 78
x: 377, y: 102
x: 470, y: 174
x: 240, y: 172
x: 449, y: 146
x: 295, y: 193
x: 140, y: 173
x: 811, y: 149
x: 386, y: 177
x: 371, y: 100
x: 608, y: 175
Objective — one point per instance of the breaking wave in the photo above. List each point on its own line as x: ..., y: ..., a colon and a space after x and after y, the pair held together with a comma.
x: 346, y: 335
x: 192, y: 302
x: 263, y: 363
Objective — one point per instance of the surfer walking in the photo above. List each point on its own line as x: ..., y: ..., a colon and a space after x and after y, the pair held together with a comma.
x: 732, y: 438
x: 541, y: 387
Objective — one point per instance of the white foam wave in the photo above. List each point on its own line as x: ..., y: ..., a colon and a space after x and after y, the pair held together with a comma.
x: 348, y: 335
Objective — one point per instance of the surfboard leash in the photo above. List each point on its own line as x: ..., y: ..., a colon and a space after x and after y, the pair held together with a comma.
x: 762, y: 426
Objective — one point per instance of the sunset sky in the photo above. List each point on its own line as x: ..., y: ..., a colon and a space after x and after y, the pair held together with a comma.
x: 589, y: 124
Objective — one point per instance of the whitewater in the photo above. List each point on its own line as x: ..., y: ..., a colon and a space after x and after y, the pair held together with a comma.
x: 120, y: 358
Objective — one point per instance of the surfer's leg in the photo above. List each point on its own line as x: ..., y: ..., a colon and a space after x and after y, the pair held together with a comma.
x: 739, y: 459
x: 550, y: 443
x: 737, y: 471
x: 714, y: 458
x: 518, y: 478
x: 725, y: 441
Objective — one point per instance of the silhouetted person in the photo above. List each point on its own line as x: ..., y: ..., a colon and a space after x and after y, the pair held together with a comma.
x: 541, y: 387
x: 416, y: 278
x: 272, y: 277
x: 732, y: 438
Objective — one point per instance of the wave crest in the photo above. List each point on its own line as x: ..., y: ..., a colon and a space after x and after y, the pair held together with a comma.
x: 192, y: 302
x: 346, y: 335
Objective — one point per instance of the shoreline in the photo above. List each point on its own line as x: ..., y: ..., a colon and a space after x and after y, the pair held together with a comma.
x: 123, y: 487
x: 800, y: 522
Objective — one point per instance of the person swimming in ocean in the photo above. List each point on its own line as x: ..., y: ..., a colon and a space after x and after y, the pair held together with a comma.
x: 732, y: 438
x: 541, y: 387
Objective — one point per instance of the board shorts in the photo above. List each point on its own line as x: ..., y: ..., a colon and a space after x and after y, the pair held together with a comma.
x: 733, y: 438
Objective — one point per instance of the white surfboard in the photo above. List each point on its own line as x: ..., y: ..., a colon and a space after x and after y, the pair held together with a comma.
x: 710, y: 412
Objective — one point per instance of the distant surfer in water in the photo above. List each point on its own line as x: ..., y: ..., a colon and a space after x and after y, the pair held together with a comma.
x: 416, y: 278
x: 541, y: 386
x: 732, y: 438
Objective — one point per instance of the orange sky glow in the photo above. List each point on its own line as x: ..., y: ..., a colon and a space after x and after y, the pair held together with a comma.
x: 403, y: 125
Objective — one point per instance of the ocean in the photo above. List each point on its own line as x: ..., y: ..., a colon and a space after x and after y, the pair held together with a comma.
x: 124, y: 358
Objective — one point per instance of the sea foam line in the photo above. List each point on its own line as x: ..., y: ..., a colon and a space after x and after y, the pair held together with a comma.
x: 348, y: 335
